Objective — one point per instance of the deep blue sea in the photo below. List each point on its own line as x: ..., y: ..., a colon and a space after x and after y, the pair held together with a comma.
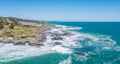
x: 104, y: 51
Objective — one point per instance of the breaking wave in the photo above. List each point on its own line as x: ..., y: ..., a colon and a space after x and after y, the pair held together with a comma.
x: 10, y: 52
x: 64, y: 40
x: 66, y: 61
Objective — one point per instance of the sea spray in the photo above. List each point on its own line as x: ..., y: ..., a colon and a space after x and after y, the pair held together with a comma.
x: 60, y: 49
x: 10, y: 52
x: 66, y: 61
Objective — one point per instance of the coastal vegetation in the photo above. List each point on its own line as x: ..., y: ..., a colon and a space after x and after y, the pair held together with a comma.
x: 1, y: 26
x: 20, y: 29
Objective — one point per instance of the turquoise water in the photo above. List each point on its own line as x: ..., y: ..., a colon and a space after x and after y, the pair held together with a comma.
x: 107, y: 28
x: 101, y: 56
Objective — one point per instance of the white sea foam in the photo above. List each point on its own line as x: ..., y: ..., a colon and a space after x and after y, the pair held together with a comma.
x: 61, y: 49
x: 68, y: 27
x: 66, y: 61
x: 10, y: 52
x: 81, y: 57
x: 117, y: 48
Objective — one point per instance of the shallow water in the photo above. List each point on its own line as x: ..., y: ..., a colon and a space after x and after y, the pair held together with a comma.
x: 92, y: 43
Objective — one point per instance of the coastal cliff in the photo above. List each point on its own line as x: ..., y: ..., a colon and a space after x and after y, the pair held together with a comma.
x: 21, y: 31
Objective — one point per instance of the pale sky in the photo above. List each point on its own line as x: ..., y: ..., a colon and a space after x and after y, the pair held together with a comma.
x: 62, y: 10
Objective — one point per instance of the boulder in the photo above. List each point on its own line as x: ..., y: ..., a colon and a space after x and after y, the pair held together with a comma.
x: 57, y: 34
x: 67, y: 34
x: 35, y: 44
x: 27, y: 42
x: 19, y: 43
x: 57, y: 43
x: 79, y: 53
x: 43, y: 38
x: 57, y: 38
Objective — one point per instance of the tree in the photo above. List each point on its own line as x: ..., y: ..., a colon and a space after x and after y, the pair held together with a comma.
x: 1, y: 26
x: 11, y: 26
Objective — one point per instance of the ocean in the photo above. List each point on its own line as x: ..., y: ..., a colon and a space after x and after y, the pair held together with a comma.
x: 93, y: 43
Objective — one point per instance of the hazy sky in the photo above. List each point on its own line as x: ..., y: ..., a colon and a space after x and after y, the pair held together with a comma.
x: 62, y: 10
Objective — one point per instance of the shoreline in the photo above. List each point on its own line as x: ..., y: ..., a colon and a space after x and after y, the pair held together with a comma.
x: 23, y: 32
x: 18, y: 52
x: 37, y: 41
x: 63, y: 40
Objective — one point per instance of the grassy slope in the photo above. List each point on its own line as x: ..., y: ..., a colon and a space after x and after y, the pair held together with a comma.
x: 20, y: 31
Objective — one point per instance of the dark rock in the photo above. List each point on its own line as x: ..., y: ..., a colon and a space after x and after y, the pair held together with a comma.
x: 57, y: 38
x: 67, y: 34
x: 11, y: 41
x: 57, y: 34
x: 27, y: 42
x: 19, y: 43
x: 35, y: 44
x: 57, y: 43
x: 1, y: 41
x: 79, y: 53
x: 23, y: 36
x: 43, y: 38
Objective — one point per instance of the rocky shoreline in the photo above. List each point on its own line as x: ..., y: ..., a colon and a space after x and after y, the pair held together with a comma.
x: 23, y: 32
x: 34, y: 41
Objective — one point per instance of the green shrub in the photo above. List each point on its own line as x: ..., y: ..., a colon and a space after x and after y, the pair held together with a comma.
x: 1, y: 26
x: 11, y: 26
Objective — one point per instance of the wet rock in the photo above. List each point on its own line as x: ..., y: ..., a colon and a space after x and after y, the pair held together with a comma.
x: 35, y: 44
x: 57, y: 43
x: 57, y: 38
x: 56, y: 33
x: 43, y: 38
x: 27, y: 42
x: 10, y: 41
x: 19, y: 43
x: 1, y: 41
x: 79, y: 53
x: 23, y: 37
x: 7, y: 41
x: 67, y: 34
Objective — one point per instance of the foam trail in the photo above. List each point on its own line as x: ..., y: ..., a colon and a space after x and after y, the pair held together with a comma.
x: 81, y: 57
x: 66, y: 61
x: 62, y: 50
x: 11, y: 52
x: 69, y: 27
